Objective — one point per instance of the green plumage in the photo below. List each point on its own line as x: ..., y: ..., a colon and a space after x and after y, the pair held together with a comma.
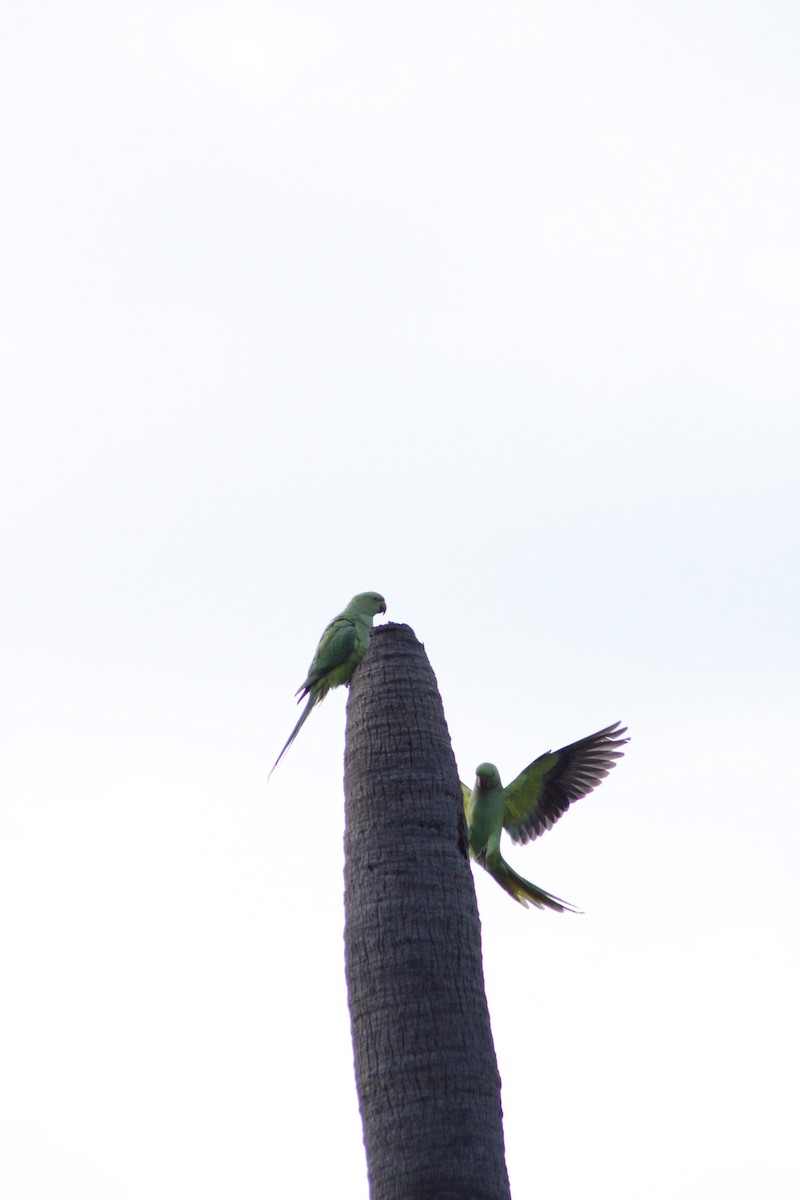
x: 532, y: 804
x: 341, y: 648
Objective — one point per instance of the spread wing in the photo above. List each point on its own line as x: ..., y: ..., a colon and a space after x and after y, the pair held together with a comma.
x: 545, y: 789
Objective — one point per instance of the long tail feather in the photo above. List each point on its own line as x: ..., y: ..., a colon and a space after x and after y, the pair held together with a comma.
x: 310, y: 704
x: 528, y: 893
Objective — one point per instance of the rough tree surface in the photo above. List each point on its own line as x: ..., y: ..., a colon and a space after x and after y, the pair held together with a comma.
x: 426, y: 1071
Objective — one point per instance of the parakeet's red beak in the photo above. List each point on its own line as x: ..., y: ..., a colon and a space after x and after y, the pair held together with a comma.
x: 383, y: 607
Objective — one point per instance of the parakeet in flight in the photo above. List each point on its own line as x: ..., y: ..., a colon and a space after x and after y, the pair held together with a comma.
x: 341, y: 648
x: 533, y: 803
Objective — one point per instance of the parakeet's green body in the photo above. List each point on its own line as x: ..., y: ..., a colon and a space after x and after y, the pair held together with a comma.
x: 341, y: 648
x: 532, y: 803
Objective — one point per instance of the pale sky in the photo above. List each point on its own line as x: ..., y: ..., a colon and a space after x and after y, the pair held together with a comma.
x: 493, y: 309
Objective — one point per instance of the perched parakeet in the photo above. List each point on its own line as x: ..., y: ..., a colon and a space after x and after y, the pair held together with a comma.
x: 341, y: 648
x: 533, y: 803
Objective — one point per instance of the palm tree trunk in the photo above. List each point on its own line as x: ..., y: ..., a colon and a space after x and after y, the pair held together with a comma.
x: 426, y: 1071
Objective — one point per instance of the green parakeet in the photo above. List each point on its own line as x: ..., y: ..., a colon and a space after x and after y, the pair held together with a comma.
x: 341, y: 648
x: 533, y: 803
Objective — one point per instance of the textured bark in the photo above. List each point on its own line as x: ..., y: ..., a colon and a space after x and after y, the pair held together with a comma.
x: 426, y: 1071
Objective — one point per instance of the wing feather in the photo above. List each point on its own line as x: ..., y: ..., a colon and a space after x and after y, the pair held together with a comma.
x: 544, y: 790
x: 335, y: 646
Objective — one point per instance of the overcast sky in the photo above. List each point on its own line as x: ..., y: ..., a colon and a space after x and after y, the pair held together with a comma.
x: 491, y: 308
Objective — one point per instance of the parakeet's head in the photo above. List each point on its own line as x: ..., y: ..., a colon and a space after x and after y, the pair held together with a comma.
x: 487, y: 776
x: 368, y: 602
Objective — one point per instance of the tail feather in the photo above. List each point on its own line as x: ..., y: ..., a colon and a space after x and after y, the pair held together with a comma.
x: 527, y: 893
x: 312, y: 700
